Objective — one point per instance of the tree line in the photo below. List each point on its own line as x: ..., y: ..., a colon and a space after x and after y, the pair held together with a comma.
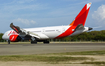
x: 1, y: 40
x: 86, y: 36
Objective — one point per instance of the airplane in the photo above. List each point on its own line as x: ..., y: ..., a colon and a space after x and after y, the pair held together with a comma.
x: 42, y: 34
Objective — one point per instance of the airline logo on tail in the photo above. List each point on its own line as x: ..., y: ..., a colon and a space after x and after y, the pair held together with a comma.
x: 81, y: 17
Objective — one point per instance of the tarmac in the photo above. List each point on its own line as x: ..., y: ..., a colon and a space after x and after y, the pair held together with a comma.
x: 29, y: 49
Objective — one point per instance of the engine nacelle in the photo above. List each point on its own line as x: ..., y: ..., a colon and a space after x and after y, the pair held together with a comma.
x: 15, y: 38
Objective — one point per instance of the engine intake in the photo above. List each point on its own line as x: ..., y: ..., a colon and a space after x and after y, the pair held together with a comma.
x: 15, y: 38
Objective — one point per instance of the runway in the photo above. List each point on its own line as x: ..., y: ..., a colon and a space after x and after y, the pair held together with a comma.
x: 28, y: 49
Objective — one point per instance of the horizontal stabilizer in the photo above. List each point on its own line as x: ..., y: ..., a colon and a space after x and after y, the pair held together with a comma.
x: 79, y: 27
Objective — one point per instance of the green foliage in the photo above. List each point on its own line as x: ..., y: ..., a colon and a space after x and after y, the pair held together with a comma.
x: 82, y: 53
x: 1, y: 40
x: 93, y: 62
x: 40, y: 58
x: 86, y: 36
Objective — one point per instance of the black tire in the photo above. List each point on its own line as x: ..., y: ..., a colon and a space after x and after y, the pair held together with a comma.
x: 33, y: 42
x: 46, y: 42
x: 8, y: 41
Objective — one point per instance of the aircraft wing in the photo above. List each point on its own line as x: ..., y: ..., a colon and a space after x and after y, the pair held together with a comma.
x: 23, y: 32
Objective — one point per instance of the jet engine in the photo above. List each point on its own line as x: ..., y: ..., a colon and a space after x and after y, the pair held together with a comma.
x: 15, y: 38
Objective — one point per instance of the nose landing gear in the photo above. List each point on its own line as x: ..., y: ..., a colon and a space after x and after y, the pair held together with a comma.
x: 8, y: 41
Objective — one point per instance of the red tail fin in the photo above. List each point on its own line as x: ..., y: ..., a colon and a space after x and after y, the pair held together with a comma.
x: 81, y: 17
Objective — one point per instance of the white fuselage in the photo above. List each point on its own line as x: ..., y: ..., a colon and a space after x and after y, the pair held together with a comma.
x: 46, y: 32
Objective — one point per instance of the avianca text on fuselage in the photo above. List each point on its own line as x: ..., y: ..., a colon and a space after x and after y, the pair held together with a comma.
x: 54, y: 32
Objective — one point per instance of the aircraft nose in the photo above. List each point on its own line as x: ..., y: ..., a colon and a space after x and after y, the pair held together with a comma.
x: 5, y: 37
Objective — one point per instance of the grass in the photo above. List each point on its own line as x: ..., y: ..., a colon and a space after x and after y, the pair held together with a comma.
x: 51, y: 59
x: 93, y: 62
x: 55, y: 57
x: 98, y: 63
x: 81, y: 53
x: 47, y: 58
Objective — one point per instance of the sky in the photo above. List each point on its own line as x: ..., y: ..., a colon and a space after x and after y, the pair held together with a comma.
x: 42, y: 13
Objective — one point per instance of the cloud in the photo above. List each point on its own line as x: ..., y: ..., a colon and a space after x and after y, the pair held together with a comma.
x: 99, y: 17
x: 24, y: 21
x: 99, y: 14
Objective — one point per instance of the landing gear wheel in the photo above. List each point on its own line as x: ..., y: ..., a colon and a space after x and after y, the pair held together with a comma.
x: 46, y: 42
x: 8, y: 41
x: 33, y: 42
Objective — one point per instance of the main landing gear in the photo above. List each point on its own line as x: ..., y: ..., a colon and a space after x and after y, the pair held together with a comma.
x: 44, y: 41
x: 33, y: 42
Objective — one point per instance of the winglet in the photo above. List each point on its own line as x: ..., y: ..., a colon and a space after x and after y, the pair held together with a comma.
x: 81, y: 17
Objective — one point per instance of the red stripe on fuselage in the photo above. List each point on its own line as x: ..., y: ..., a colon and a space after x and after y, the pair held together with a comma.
x: 68, y: 32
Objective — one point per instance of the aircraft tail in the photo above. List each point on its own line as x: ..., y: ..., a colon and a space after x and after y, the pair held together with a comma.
x: 81, y: 17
